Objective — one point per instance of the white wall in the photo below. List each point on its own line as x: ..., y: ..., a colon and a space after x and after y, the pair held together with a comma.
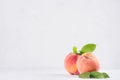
x: 35, y: 33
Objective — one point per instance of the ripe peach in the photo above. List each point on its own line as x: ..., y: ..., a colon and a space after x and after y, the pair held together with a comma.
x: 70, y: 63
x: 87, y: 62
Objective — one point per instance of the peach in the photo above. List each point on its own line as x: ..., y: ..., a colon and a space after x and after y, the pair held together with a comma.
x: 87, y: 62
x: 82, y: 61
x: 70, y: 63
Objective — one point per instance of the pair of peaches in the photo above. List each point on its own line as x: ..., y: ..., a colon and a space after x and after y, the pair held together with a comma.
x: 84, y: 61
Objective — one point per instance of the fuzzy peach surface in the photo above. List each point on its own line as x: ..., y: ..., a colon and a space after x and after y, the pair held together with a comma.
x: 76, y: 64
x: 70, y: 63
x: 87, y: 63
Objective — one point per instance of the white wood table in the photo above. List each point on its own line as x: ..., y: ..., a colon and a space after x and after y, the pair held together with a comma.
x: 47, y: 74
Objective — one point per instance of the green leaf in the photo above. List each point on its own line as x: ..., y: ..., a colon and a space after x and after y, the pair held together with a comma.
x: 105, y: 75
x: 94, y: 74
x: 75, y: 49
x: 97, y: 75
x: 85, y: 75
x: 88, y: 48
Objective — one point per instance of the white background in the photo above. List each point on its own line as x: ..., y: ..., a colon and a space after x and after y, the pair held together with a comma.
x: 40, y: 33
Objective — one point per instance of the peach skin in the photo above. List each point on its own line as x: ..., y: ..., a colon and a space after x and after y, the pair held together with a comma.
x: 70, y: 63
x: 87, y: 63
